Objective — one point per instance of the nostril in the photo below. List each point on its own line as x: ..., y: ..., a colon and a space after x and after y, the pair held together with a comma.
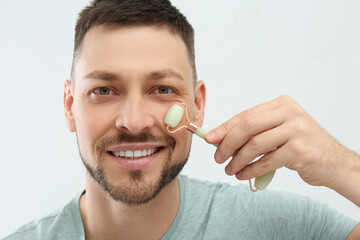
x: 135, y: 122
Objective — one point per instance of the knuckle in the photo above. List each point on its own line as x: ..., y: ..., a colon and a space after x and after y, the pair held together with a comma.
x: 254, y: 142
x: 294, y: 110
x: 246, y: 120
x: 285, y: 98
x: 264, y: 163
x: 226, y: 126
x: 297, y: 147
x: 226, y: 143
x: 299, y: 127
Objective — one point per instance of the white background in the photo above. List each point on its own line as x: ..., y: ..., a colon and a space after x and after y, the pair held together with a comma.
x: 248, y: 52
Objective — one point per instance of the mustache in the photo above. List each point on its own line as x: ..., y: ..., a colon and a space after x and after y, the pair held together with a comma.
x: 129, y: 138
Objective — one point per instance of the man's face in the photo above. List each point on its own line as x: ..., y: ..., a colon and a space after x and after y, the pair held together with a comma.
x: 125, y: 81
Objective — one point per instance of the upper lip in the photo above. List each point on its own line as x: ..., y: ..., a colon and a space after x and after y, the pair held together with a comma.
x: 133, y: 147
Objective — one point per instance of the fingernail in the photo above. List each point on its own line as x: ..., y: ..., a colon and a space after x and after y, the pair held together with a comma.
x: 210, y: 135
x: 218, y: 156
x: 228, y: 170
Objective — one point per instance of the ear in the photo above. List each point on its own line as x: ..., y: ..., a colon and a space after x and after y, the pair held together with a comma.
x: 200, y: 100
x: 68, y: 103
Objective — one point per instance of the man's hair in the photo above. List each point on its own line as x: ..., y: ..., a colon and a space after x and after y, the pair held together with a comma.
x: 133, y: 13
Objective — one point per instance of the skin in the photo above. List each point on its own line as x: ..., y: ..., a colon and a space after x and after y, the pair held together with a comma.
x: 288, y: 137
x: 280, y: 129
x: 135, y: 105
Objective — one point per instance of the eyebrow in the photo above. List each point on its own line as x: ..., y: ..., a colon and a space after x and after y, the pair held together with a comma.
x: 103, y: 75
x: 155, y: 75
x: 165, y: 73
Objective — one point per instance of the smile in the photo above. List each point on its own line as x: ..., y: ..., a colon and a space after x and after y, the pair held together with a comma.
x: 135, y: 153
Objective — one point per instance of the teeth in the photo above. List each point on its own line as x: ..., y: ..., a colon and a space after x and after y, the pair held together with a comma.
x: 135, y: 154
x: 129, y: 153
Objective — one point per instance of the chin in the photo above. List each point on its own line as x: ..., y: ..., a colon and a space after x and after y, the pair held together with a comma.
x: 135, y: 187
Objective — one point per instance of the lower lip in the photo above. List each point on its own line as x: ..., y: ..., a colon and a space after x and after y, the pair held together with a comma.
x: 135, y: 163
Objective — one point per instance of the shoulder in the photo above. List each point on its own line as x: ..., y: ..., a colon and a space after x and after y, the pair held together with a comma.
x: 269, y: 213
x: 240, y: 195
x: 36, y: 228
x: 60, y: 224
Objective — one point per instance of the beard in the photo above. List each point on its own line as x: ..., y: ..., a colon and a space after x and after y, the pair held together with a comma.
x: 138, y: 191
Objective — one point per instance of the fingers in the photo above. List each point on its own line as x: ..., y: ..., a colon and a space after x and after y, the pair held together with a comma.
x: 245, y: 127
x: 268, y: 162
x: 260, y: 144
x: 262, y: 130
x: 217, y: 135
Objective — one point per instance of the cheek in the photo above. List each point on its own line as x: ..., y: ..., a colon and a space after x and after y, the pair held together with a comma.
x: 91, y: 125
x: 182, y: 137
x: 183, y: 140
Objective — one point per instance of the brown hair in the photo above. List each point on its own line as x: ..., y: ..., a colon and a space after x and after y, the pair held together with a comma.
x: 134, y: 12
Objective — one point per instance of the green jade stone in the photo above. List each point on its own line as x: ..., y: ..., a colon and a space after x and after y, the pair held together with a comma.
x: 173, y: 118
x: 174, y: 115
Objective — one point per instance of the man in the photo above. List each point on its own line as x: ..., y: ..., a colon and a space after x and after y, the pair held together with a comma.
x: 132, y: 60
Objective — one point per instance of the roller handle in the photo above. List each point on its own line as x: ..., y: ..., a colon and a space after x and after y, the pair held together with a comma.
x: 261, y: 182
x: 202, y: 132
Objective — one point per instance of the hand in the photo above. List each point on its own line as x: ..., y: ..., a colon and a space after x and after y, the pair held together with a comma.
x: 285, y: 135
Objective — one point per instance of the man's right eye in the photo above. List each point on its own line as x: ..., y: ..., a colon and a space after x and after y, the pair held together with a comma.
x: 103, y: 91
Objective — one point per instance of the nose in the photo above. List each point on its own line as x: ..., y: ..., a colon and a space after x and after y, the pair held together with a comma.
x: 136, y: 116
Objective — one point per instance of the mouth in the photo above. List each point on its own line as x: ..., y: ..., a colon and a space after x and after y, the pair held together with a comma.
x: 136, y: 156
x: 138, y: 153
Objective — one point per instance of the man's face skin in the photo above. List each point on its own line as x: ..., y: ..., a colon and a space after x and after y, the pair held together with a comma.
x: 125, y: 81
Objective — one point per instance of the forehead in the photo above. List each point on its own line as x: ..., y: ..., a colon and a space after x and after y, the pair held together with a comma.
x: 132, y: 50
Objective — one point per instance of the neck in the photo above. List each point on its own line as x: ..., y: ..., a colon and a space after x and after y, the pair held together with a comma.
x: 104, y: 218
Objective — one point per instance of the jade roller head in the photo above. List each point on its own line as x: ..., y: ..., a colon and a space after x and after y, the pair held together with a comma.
x: 174, y: 116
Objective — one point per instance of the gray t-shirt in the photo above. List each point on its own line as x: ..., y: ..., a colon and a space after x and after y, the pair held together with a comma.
x: 217, y: 211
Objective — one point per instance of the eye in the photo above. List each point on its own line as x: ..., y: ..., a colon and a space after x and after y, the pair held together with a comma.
x: 163, y: 90
x: 103, y: 91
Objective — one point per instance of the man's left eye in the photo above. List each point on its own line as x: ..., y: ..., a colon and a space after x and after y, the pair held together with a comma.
x: 163, y: 90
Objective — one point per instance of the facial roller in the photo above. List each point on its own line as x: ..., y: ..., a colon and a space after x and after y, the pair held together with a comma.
x: 173, y: 118
x: 175, y: 115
